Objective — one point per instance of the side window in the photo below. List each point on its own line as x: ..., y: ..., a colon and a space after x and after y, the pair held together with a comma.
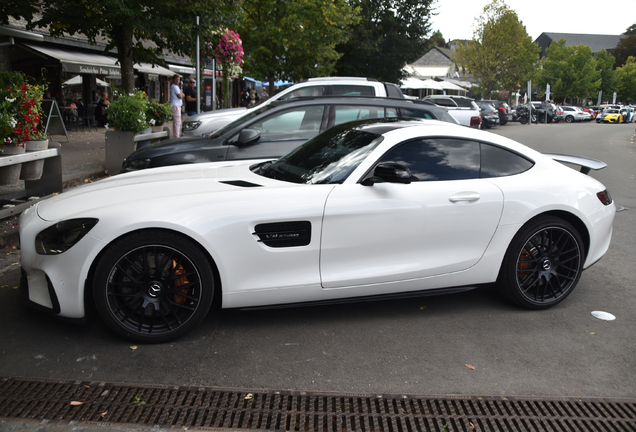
x: 407, y: 112
x: 300, y: 123
x: 390, y: 112
x: 346, y: 113
x: 353, y: 90
x: 305, y: 91
x: 438, y: 159
x: 464, y: 103
x: 444, y: 102
x: 499, y: 162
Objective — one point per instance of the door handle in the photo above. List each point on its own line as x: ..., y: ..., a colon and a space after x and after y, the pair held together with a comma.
x: 465, y: 197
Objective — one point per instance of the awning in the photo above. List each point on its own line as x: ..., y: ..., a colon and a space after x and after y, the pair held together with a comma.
x: 14, y: 32
x: 182, y: 69
x: 152, y: 69
x: 418, y: 84
x: 79, y: 62
x: 78, y: 80
x: 93, y: 63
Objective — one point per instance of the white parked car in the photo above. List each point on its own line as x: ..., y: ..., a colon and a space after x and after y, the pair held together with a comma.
x: 572, y: 114
x: 209, y: 122
x: 366, y: 209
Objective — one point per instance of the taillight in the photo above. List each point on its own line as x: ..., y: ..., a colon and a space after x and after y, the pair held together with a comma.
x: 604, y: 197
x: 475, y: 121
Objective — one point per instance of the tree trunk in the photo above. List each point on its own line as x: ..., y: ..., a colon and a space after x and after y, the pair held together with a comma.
x: 123, y: 38
x: 271, y: 80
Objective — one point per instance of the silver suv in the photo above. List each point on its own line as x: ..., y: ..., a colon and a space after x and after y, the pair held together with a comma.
x: 208, y: 122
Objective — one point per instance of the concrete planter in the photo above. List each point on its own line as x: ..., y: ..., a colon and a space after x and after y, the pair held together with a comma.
x: 33, y: 170
x: 10, y: 174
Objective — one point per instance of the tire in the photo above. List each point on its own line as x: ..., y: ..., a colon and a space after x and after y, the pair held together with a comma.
x: 543, y: 263
x: 569, y: 119
x: 153, y: 286
x: 523, y: 119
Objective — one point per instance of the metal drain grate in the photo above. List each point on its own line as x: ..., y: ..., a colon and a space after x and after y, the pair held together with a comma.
x: 212, y: 408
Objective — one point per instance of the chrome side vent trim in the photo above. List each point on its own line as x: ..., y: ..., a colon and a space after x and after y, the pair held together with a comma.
x: 284, y: 234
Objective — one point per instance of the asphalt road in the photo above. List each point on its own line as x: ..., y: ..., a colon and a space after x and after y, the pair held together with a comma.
x: 415, y: 346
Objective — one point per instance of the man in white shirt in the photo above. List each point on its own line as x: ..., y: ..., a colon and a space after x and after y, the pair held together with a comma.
x: 176, y: 101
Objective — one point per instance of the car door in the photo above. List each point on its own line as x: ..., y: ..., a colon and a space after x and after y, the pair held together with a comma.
x: 440, y: 223
x: 280, y: 132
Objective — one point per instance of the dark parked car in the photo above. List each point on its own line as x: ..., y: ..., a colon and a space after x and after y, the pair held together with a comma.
x: 503, y: 109
x: 541, y: 109
x: 276, y: 129
x: 489, y: 115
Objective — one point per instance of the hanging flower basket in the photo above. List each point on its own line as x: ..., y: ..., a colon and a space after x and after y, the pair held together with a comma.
x: 33, y: 170
x: 10, y: 175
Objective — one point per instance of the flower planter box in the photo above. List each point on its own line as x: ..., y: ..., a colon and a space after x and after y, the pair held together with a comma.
x: 119, y: 144
x: 10, y: 169
x: 33, y: 170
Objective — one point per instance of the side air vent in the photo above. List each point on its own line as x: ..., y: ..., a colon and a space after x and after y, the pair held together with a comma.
x: 284, y: 234
x: 240, y: 183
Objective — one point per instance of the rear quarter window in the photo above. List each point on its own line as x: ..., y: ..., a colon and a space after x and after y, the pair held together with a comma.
x: 499, y: 162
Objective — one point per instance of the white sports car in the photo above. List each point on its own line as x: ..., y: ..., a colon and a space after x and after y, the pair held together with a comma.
x: 366, y: 209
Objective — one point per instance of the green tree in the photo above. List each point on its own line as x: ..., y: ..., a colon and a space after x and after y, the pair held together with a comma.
x: 292, y: 40
x: 501, y: 54
x: 626, y: 77
x: 390, y: 34
x: 139, y: 29
x: 605, y: 66
x: 570, y: 71
x: 625, y: 48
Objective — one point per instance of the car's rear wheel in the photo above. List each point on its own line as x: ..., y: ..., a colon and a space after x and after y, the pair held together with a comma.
x: 542, y: 264
x: 153, y: 286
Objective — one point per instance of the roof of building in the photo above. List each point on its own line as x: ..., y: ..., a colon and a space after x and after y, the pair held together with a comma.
x: 594, y: 41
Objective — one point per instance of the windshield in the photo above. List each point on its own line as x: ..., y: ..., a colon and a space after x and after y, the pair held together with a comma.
x: 326, y: 159
x: 250, y: 114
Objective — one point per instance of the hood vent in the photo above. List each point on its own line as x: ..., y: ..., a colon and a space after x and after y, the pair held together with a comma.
x: 240, y: 183
x: 284, y: 234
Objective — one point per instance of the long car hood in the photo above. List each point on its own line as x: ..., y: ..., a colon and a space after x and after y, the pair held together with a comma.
x: 169, y: 183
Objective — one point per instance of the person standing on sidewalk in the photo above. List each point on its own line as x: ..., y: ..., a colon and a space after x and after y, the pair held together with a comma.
x: 176, y: 102
x: 191, y: 98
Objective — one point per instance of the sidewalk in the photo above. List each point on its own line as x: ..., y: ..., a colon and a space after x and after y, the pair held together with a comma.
x: 83, y: 160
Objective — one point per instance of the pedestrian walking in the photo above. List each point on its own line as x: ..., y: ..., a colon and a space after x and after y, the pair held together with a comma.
x: 176, y: 102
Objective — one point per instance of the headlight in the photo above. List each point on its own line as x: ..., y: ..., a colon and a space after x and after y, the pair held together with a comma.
x: 191, y: 125
x: 63, y: 235
x: 135, y: 165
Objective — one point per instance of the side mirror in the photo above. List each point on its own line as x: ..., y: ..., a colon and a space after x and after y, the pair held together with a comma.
x: 248, y: 136
x: 389, y: 172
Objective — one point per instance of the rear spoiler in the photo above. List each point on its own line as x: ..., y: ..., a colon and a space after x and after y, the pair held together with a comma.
x: 585, y: 163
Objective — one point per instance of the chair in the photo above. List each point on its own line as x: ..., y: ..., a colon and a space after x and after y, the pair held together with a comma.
x: 87, y: 117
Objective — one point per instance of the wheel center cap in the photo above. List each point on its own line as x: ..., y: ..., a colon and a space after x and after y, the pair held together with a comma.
x: 154, y: 290
x: 546, y: 264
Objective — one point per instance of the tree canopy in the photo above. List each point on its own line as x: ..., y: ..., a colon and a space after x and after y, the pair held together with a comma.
x: 626, y: 77
x: 605, y: 67
x: 570, y: 71
x: 390, y: 34
x: 292, y: 40
x: 139, y: 29
x: 501, y: 54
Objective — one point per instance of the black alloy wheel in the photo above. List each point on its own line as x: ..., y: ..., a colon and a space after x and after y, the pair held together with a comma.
x: 543, y: 263
x: 153, y: 286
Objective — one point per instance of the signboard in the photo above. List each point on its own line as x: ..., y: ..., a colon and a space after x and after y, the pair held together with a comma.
x: 208, y: 96
x: 54, y: 121
x: 88, y: 69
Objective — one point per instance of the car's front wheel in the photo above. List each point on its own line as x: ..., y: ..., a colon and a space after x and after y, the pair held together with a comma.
x: 542, y: 264
x: 153, y: 286
x: 569, y: 119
